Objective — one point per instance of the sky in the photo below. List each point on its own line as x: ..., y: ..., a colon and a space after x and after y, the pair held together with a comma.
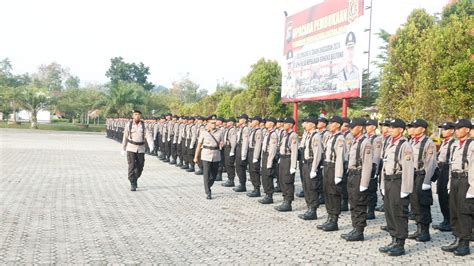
x: 213, y: 41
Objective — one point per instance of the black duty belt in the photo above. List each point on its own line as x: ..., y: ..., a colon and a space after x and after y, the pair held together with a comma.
x: 285, y: 156
x: 329, y: 164
x: 459, y: 174
x: 420, y: 172
x: 354, y: 170
x: 210, y: 148
x: 136, y: 143
x: 393, y: 177
x: 308, y: 161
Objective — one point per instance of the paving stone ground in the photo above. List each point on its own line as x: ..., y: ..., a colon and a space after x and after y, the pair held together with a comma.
x: 64, y: 198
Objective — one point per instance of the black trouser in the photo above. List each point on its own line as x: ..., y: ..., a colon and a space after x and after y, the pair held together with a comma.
x: 221, y: 162
x: 191, y: 153
x: 277, y: 174
x: 461, y: 210
x: 173, y: 149
x: 332, y: 192
x: 287, y: 180
x: 442, y: 190
x: 136, y: 161
x: 240, y: 166
x: 319, y: 174
x: 301, y: 166
x: 267, y: 175
x: 358, y: 200
x: 421, y: 200
x: 168, y: 149
x: 396, y: 208
x: 229, y: 163
x: 310, y: 185
x: 254, y: 170
x: 372, y: 190
x: 344, y: 193
x: 209, y: 174
x: 179, y: 149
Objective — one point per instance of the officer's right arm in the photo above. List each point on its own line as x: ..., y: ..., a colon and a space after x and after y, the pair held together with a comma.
x: 317, y: 152
x: 408, y: 170
x: 470, y: 177
x: 125, y: 138
x: 232, y: 139
x: 245, y: 142
x: 272, y: 149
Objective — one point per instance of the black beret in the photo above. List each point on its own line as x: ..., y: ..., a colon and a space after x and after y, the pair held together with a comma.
x: 211, y: 117
x: 346, y: 120
x: 191, y: 118
x: 230, y: 119
x: 447, y: 125
x: 136, y: 111
x: 220, y: 118
x: 397, y: 123
x: 385, y: 123
x: 460, y: 123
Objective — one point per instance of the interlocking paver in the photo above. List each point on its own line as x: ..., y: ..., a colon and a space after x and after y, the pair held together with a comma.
x: 64, y: 198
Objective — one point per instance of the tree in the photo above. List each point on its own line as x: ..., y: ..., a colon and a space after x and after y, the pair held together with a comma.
x: 123, y: 97
x: 129, y: 72
x: 187, y: 91
x: 34, y: 99
x: 78, y: 102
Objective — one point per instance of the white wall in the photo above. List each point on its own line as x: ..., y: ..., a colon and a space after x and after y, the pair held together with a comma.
x: 43, y: 116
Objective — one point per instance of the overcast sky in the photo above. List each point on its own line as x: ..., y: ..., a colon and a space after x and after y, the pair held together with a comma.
x: 212, y: 40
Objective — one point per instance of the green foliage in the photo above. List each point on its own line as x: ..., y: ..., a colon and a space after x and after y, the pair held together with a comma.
x: 129, y: 72
x: 33, y: 99
x: 123, y: 97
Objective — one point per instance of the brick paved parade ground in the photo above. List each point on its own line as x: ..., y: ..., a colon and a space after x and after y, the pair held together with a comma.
x: 64, y: 198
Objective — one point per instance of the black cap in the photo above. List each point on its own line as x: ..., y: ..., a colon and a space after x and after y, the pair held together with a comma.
x: 323, y: 119
x: 385, y: 123
x: 199, y: 117
x: 460, y: 123
x: 419, y: 123
x: 447, y: 125
x: 258, y: 118
x: 136, y: 111
x: 357, y: 122
x: 397, y: 123
x: 176, y: 116
x: 220, y: 118
x: 371, y: 122
x: 230, y: 119
x: 289, y: 120
x: 350, y: 39
x: 336, y: 119
x: 281, y: 120
x: 346, y: 120
x: 191, y: 118
x: 211, y: 117
x: 271, y: 119
x: 243, y: 116
x: 305, y: 119
x: 312, y: 119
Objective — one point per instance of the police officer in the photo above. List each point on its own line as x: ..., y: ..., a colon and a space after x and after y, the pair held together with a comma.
x: 133, y: 142
x: 325, y: 134
x: 192, y: 143
x: 230, y: 142
x: 359, y: 174
x: 424, y: 159
x: 288, y: 150
x: 333, y: 172
x: 376, y: 143
x: 254, y: 153
x: 280, y: 131
x: 220, y: 125
x: 311, y: 156
x: 208, y: 147
x: 346, y: 132
x: 269, y: 152
x: 385, y: 126
x: 461, y: 189
x: 241, y: 150
x: 397, y: 185
x: 300, y: 155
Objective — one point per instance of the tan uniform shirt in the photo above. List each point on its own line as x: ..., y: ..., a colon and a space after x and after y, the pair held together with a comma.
x: 230, y: 138
x: 270, y: 145
x: 210, y: 143
x: 366, y: 159
x: 243, y: 139
x: 292, y: 148
x: 136, y: 135
x: 377, y: 144
x: 443, y: 151
x: 348, y: 137
x: 255, y: 142
x: 456, y: 163
x: 193, y: 136
x: 339, y: 153
x: 313, y: 149
x: 405, y: 167
x: 429, y: 163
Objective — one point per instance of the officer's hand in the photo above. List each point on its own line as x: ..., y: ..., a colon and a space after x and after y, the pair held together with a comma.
x: 174, y: 142
x: 255, y: 161
x: 403, y: 195
x: 122, y: 152
x: 337, y: 180
x: 425, y: 187
x: 231, y: 154
x: 362, y: 188
x: 292, y: 170
x: 196, y: 160
x: 312, y: 175
x: 382, y: 191
x: 279, y: 160
x: 469, y: 196
x: 243, y: 159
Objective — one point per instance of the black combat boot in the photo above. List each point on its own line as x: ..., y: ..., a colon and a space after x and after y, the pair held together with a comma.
x: 384, y: 228
x: 255, y: 193
x: 268, y: 199
x: 357, y: 235
x: 370, y: 213
x: 332, y: 225
x: 325, y: 223
x: 190, y: 169
x: 344, y: 236
x: 284, y: 207
x: 301, y: 194
x: 344, y: 205
x: 380, y: 208
x: 173, y: 161
x: 388, y: 247
x: 451, y: 247
x: 415, y: 234
x: 444, y: 226
x: 228, y: 183
x: 424, y: 234
x: 463, y: 248
x: 321, y: 199
x: 179, y: 164
x: 209, y: 195
x: 185, y: 166
x: 398, y: 249
x: 199, y: 172
x: 166, y: 160
x: 277, y: 189
x: 309, y: 215
x: 240, y: 188
x: 219, y: 176
x: 133, y: 185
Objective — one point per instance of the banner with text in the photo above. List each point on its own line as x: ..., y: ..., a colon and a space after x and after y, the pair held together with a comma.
x: 325, y: 52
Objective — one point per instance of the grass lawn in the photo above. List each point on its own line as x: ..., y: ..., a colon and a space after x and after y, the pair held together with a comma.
x: 57, y: 127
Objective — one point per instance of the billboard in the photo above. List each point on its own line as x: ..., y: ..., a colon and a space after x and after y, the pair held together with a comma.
x: 325, y: 52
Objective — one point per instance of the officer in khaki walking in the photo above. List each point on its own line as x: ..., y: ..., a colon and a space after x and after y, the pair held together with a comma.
x: 133, y: 142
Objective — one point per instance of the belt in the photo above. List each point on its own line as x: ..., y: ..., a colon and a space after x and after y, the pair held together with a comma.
x: 308, y: 161
x: 420, y: 172
x: 136, y: 143
x: 459, y: 174
x: 285, y: 156
x: 210, y: 148
x: 354, y: 170
x: 328, y: 163
x: 393, y: 177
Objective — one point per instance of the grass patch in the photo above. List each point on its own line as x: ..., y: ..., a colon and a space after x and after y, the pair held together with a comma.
x: 57, y: 127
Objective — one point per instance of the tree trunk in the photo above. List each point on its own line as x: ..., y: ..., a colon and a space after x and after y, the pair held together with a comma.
x: 34, y: 119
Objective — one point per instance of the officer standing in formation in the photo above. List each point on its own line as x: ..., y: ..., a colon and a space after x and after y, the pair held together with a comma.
x: 347, y: 156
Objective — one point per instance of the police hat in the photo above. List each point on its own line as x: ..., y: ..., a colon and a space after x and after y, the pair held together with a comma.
x: 230, y: 119
x: 346, y: 120
x: 323, y: 119
x: 385, y: 123
x: 460, y: 123
x: 447, y: 125
x: 211, y: 117
x: 136, y: 111
x: 336, y: 119
x: 350, y: 39
x: 357, y: 122
x: 191, y: 118
x: 280, y: 120
x: 258, y: 118
x: 222, y: 119
x: 312, y: 119
x: 243, y: 116
x: 289, y: 120
x: 397, y: 123
x: 371, y: 122
x: 419, y: 123
x: 271, y: 119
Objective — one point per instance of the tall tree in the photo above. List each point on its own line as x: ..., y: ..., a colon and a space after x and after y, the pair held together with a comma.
x: 124, y: 97
x: 34, y: 99
x: 129, y: 72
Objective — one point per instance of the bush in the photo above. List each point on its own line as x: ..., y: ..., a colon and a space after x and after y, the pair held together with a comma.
x: 59, y: 120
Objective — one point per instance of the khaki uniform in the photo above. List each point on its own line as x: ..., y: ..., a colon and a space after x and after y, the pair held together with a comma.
x: 269, y: 151
x: 241, y: 150
x: 210, y: 142
x: 333, y: 172
x: 254, y: 152
x: 312, y: 153
x: 230, y: 143
x: 288, y: 150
